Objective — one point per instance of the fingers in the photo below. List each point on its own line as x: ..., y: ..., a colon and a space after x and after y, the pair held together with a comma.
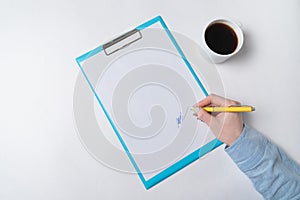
x: 216, y: 100
x: 204, y: 116
x: 212, y: 99
x: 204, y: 102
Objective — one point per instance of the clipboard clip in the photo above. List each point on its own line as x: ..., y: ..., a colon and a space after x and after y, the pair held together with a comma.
x: 122, y: 41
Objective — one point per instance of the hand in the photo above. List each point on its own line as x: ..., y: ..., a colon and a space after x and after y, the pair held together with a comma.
x: 226, y: 126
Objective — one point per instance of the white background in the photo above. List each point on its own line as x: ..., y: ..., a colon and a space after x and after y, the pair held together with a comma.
x: 41, y: 156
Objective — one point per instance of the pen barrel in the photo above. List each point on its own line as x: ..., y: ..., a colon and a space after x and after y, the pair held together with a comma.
x: 230, y: 109
x: 239, y: 109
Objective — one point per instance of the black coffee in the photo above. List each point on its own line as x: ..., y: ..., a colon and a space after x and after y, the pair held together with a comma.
x: 221, y: 38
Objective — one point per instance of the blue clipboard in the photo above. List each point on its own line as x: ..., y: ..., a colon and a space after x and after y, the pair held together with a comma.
x: 125, y: 54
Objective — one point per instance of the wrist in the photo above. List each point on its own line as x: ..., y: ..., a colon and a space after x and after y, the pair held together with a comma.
x: 235, y: 135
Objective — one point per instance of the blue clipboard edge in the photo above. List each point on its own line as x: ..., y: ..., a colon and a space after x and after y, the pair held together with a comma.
x: 184, y: 161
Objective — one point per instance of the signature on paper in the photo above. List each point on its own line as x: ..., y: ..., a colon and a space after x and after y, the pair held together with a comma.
x: 179, y: 120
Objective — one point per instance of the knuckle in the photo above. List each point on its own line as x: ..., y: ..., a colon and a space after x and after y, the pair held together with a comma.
x: 212, y: 96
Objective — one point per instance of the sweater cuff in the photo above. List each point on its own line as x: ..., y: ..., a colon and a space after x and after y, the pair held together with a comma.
x: 248, y: 149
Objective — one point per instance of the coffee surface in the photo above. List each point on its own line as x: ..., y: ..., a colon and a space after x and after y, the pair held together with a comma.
x: 221, y: 38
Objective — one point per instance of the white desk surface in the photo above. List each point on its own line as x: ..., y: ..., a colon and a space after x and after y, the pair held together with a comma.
x: 41, y: 156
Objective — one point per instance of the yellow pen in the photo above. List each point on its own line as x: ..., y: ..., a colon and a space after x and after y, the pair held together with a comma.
x: 241, y: 108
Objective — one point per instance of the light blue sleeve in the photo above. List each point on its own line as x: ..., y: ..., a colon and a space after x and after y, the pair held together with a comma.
x: 273, y: 174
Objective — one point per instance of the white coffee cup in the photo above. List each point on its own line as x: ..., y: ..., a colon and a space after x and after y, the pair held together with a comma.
x: 219, y: 55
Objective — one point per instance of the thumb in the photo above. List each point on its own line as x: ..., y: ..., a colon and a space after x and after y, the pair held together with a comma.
x: 204, y: 116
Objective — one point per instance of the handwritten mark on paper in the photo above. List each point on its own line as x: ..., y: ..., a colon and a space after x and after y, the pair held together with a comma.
x: 179, y: 120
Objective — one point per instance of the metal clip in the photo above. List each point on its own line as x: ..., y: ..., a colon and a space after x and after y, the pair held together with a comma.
x: 122, y: 41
